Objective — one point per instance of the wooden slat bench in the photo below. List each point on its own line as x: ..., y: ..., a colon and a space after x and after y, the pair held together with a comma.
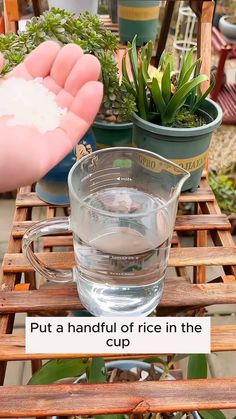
x: 131, y: 398
x: 181, y: 295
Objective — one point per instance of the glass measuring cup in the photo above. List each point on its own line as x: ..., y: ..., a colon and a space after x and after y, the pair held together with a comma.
x: 123, y: 208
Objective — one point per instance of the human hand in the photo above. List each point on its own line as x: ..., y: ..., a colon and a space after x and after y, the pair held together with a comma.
x: 26, y: 155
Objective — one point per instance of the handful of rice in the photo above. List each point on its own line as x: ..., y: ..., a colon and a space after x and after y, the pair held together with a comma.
x: 29, y: 103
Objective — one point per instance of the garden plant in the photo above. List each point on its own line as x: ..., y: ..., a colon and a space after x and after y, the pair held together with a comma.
x: 174, y: 117
x: 86, y: 31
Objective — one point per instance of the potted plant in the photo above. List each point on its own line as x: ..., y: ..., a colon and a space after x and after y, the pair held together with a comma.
x: 174, y: 118
x: 138, y: 17
x: 75, y: 6
x: 227, y: 25
x: 118, y: 104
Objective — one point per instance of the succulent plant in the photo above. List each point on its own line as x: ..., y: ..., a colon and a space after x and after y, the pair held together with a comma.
x: 85, y: 30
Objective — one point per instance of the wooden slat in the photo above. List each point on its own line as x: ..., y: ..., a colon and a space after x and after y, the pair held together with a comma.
x: 223, y: 338
x: 12, y: 347
x: 201, y: 195
x: 29, y: 200
x: 202, y: 222
x: 177, y: 292
x: 139, y: 397
x: 8, y: 281
x: 183, y: 222
x: 185, y: 256
x: 200, y: 240
x: 58, y: 241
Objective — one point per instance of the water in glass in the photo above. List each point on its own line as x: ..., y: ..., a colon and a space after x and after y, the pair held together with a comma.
x: 121, y: 261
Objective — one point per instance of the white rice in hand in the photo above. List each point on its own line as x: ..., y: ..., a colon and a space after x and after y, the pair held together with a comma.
x: 29, y: 103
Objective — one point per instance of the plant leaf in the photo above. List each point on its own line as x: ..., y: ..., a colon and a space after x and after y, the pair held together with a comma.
x: 96, y: 371
x: 57, y: 369
x: 186, y: 63
x: 162, y: 60
x: 146, y: 52
x: 211, y: 414
x: 197, y: 366
x: 189, y: 72
x: 157, y: 97
x: 203, y: 96
x: 166, y: 84
x: 180, y: 96
x: 145, y: 74
x: 142, y: 98
x: 124, y: 68
x: 169, y: 60
x: 132, y: 51
x: 125, y: 77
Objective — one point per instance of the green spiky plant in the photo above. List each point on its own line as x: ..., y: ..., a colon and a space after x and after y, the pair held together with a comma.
x: 84, y: 30
x: 163, y: 96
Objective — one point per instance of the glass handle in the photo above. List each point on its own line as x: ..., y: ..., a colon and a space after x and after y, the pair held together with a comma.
x: 45, y: 228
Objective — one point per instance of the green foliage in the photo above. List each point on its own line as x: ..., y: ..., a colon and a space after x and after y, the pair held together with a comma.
x: 224, y: 189
x: 212, y: 414
x: 197, y: 366
x: 162, y: 95
x: 84, y: 30
x: 96, y: 371
x: 57, y: 369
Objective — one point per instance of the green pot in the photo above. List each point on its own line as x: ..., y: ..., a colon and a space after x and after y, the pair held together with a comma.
x: 186, y: 147
x: 112, y: 135
x: 112, y: 7
x: 138, y: 17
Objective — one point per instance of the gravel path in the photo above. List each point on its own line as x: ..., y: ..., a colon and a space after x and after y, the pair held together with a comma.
x: 223, y: 147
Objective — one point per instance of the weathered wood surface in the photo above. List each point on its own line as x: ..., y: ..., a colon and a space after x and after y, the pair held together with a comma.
x: 183, y: 222
x: 177, y: 292
x: 12, y: 347
x: 183, y: 256
x: 201, y: 195
x: 9, y: 280
x: 139, y: 397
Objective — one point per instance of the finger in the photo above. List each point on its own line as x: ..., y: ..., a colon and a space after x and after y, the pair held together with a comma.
x: 65, y: 61
x: 51, y: 85
x: 1, y: 62
x: 20, y: 71
x: 40, y: 61
x: 86, y: 69
x: 83, y: 111
x: 64, y: 99
x: 87, y: 101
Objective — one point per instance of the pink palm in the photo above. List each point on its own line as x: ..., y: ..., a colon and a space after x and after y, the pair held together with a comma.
x: 25, y: 154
